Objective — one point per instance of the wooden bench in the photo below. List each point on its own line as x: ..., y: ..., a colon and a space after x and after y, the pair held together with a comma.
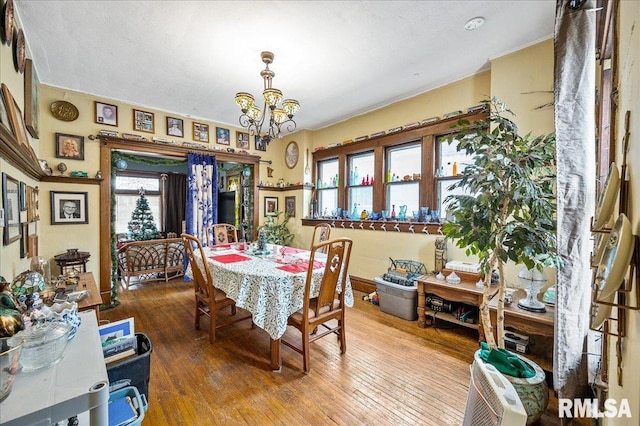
x: 151, y: 260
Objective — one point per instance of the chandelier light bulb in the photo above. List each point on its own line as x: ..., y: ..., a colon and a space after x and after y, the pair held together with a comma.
x: 279, y: 116
x: 290, y: 107
x: 272, y: 97
x: 245, y: 101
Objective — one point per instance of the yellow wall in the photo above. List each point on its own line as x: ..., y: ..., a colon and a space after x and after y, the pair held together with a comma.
x: 629, y: 93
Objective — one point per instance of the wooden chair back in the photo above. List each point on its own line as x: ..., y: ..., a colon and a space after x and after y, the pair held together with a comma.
x: 221, y: 233
x: 321, y: 233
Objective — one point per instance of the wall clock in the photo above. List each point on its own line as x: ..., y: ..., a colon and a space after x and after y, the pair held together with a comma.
x: 7, y: 22
x: 19, y: 53
x: 291, y: 154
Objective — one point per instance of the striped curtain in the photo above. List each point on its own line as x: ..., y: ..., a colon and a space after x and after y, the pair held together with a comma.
x: 202, y: 194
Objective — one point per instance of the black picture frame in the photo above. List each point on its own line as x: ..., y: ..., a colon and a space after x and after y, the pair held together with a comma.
x: 70, y: 147
x: 23, y: 196
x: 11, y: 206
x: 106, y: 114
x: 290, y: 206
x: 259, y: 144
x: 79, y: 215
x: 175, y: 127
x: 270, y: 206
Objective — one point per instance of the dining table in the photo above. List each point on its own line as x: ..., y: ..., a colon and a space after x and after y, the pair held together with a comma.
x: 269, y: 283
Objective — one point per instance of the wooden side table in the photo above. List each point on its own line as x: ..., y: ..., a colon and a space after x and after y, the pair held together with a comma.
x: 465, y: 292
x: 72, y: 260
x: 86, y: 281
x: 538, y: 323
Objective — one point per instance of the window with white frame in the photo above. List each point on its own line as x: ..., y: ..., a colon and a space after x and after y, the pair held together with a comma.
x: 127, y: 192
x: 327, y: 187
x: 360, y: 185
x: 405, y: 160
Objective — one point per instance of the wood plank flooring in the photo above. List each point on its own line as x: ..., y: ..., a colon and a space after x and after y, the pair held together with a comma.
x: 393, y: 372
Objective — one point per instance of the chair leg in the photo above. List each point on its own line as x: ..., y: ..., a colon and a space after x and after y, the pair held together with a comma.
x: 233, y: 309
x: 342, y: 336
x: 212, y: 327
x: 305, y: 350
x: 197, y: 322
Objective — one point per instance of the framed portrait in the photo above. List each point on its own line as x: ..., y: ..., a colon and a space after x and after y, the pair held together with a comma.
x: 69, y: 208
x: 291, y: 154
x: 242, y: 140
x: 106, y: 114
x: 200, y: 132
x: 33, y: 212
x: 70, y: 147
x: 11, y: 206
x: 259, y: 143
x: 143, y: 121
x: 270, y: 206
x: 23, y: 196
x: 31, y: 82
x: 175, y: 127
x: 222, y: 136
x: 290, y: 206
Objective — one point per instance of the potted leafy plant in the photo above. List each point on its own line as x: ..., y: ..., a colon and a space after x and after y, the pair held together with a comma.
x: 277, y: 232
x: 508, y: 212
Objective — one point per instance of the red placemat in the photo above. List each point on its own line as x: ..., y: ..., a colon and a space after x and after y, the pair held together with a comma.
x: 221, y: 246
x: 229, y: 258
x: 296, y: 268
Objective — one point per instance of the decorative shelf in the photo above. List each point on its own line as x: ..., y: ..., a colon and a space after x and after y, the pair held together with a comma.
x: 380, y: 225
x: 71, y: 179
x: 284, y: 188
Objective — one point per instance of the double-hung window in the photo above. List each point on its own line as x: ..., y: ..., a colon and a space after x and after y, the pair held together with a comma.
x: 127, y: 192
x: 360, y: 185
x: 328, y: 182
x: 404, y: 160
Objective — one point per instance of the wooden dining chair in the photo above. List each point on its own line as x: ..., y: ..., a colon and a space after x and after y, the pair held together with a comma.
x: 221, y: 233
x: 209, y: 300
x: 321, y: 233
x: 328, y: 304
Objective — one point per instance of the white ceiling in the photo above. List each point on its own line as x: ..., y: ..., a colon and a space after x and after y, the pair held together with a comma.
x: 337, y: 58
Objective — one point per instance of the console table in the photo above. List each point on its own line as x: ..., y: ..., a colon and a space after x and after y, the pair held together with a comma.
x: 86, y: 281
x: 465, y: 292
x: 539, y: 323
x: 76, y: 384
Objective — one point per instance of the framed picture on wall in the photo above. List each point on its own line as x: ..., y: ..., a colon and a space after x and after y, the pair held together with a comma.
x: 31, y: 98
x: 270, y: 206
x: 69, y: 146
x: 290, y: 206
x: 222, y: 136
x: 69, y: 208
x: 259, y: 143
x: 143, y: 121
x: 200, y: 132
x: 175, y: 127
x: 242, y: 140
x: 106, y: 114
x: 11, y: 206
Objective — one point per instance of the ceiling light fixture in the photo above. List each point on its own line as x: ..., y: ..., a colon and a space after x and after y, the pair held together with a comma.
x: 280, y: 113
x: 474, y: 23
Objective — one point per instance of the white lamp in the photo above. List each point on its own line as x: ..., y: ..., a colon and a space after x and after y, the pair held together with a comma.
x: 532, y: 281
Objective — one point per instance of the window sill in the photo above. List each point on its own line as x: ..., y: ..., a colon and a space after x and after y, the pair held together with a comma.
x: 380, y: 225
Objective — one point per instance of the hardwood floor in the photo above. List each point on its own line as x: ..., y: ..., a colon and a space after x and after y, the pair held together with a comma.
x: 393, y: 372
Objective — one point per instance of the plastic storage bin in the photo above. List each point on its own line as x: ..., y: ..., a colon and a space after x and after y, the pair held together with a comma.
x: 397, y: 299
x: 133, y: 371
x: 139, y: 403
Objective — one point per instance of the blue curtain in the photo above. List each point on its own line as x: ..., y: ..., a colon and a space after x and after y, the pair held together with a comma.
x: 202, y: 195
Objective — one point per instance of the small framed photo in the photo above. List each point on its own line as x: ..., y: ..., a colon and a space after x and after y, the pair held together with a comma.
x: 260, y: 145
x: 175, y: 127
x: 200, y: 132
x: 24, y: 241
x: 106, y: 114
x: 69, y: 146
x: 222, y: 136
x: 69, y: 208
x: 242, y: 140
x: 290, y: 206
x: 143, y: 121
x: 116, y: 330
x: 33, y: 212
x: 23, y: 197
x: 270, y: 206
x: 11, y: 206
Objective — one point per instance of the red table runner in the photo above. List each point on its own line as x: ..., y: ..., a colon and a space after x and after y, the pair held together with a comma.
x: 230, y: 258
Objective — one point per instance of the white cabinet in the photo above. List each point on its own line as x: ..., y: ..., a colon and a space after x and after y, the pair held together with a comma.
x: 78, y: 383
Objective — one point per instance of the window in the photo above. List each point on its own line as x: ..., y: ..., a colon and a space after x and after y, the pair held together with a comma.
x: 451, y: 163
x: 328, y: 183
x: 404, y: 161
x: 127, y: 193
x: 360, y: 186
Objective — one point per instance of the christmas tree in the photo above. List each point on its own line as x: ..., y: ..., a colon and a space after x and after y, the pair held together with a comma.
x: 141, y: 226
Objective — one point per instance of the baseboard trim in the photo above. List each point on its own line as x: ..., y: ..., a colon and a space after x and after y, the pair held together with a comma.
x: 363, y: 284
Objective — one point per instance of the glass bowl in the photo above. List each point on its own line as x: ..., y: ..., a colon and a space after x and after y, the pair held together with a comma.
x: 9, y: 364
x: 43, y: 344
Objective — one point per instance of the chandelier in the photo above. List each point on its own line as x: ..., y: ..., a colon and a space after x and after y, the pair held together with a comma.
x: 280, y: 111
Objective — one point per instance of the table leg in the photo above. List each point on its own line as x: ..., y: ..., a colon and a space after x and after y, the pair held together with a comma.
x: 275, y: 355
x: 422, y: 323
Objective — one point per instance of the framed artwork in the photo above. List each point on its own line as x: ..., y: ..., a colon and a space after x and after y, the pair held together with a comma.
x: 33, y: 213
x: 260, y: 145
x: 291, y: 154
x: 11, y: 206
x: 69, y: 146
x: 200, y: 132
x: 31, y: 82
x: 23, y: 196
x: 290, y: 206
x: 143, y: 121
x: 222, y: 136
x: 106, y: 114
x: 33, y: 245
x: 175, y: 127
x: 270, y: 206
x: 15, y: 117
x: 242, y: 140
x: 69, y: 208
x: 4, y: 114
x: 24, y: 241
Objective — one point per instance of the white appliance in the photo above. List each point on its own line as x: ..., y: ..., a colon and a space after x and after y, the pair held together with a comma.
x: 492, y: 400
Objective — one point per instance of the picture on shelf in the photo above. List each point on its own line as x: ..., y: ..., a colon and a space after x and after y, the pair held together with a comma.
x: 175, y: 127
x: 200, y: 132
x: 222, y: 136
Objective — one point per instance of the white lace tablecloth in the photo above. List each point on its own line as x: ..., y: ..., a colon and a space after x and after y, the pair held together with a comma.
x: 258, y: 286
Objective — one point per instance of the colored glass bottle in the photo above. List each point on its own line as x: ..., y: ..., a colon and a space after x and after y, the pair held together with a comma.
x: 393, y: 211
x: 454, y: 170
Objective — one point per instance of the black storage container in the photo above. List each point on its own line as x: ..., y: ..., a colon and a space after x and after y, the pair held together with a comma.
x: 133, y: 371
